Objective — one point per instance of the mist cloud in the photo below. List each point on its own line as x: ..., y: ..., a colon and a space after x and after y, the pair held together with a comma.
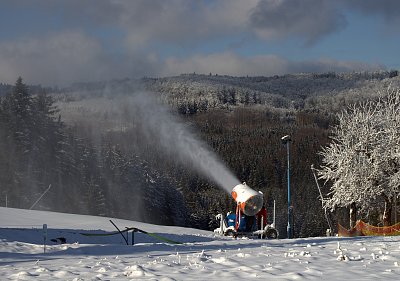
x: 175, y: 139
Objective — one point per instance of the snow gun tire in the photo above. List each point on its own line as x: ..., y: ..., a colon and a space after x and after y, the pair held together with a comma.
x: 271, y: 234
x: 230, y: 233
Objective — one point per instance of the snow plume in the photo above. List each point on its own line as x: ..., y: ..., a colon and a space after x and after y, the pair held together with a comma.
x: 162, y: 129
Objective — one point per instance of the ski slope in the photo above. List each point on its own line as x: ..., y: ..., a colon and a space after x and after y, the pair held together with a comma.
x: 201, y: 256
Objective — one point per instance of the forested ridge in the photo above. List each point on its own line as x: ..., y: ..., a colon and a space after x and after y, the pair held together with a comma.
x: 83, y: 141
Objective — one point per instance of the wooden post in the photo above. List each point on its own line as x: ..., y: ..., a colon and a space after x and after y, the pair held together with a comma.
x: 353, y: 215
x: 44, y: 237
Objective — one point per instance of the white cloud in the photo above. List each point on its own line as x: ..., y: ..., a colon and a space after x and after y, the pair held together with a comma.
x: 182, y: 22
x: 143, y: 22
x: 63, y: 58
x: 229, y: 63
x: 56, y: 58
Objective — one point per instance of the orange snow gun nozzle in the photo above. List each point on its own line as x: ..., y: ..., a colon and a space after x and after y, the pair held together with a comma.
x: 248, y: 200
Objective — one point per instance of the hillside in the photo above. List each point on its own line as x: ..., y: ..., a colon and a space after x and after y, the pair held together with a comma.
x: 130, y: 148
x: 199, y: 92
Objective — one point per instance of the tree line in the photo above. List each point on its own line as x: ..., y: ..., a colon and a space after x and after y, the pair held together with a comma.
x: 38, y: 150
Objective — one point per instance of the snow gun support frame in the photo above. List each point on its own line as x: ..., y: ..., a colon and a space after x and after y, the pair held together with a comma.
x: 244, y: 221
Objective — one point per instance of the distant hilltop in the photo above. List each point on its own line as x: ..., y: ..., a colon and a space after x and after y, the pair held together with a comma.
x: 193, y: 93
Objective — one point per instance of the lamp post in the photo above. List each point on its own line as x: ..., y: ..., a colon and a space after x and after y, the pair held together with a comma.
x: 286, y: 140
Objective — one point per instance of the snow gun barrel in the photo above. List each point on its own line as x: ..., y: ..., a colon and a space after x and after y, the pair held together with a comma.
x: 248, y: 200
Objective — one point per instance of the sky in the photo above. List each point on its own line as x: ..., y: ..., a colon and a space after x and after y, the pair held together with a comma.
x: 201, y: 256
x: 61, y: 42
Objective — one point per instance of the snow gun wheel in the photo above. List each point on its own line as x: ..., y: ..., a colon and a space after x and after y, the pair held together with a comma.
x: 230, y: 233
x: 271, y: 234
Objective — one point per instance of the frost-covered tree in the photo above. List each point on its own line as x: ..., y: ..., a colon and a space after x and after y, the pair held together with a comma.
x: 363, y: 160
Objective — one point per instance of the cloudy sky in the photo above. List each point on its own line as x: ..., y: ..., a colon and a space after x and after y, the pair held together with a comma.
x: 59, y: 42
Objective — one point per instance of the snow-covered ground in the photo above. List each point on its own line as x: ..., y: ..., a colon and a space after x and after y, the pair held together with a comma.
x: 202, y: 256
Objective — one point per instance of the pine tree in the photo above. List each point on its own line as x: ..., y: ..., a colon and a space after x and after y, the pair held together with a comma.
x: 16, y: 115
x: 17, y: 107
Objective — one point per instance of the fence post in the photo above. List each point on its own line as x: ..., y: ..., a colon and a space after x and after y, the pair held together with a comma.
x: 44, y: 237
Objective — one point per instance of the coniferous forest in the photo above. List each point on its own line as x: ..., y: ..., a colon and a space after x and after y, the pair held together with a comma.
x: 79, y: 150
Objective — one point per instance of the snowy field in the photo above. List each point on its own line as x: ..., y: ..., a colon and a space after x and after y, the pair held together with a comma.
x: 202, y: 256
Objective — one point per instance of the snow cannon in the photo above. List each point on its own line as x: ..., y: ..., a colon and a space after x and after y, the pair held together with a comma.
x: 249, y: 201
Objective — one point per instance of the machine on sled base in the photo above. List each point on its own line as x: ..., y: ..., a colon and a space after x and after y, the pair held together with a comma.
x: 240, y: 225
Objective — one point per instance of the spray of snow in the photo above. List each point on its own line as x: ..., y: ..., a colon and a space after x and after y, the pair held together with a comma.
x: 161, y: 128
